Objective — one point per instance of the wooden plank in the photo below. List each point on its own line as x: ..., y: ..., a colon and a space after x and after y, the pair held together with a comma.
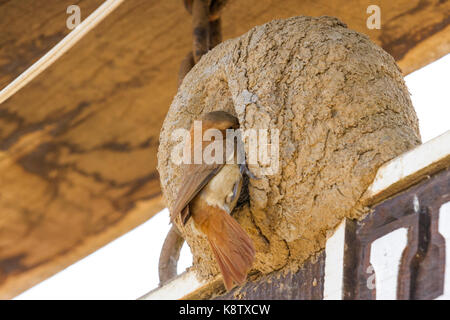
x: 359, y: 237
x: 414, y: 32
x: 409, y: 168
x: 78, y: 144
x: 78, y: 167
x: 421, y: 268
x: 305, y: 284
x: 444, y: 230
x: 398, y: 251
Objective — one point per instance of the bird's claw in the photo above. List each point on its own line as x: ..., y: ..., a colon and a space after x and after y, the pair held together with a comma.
x: 244, y: 169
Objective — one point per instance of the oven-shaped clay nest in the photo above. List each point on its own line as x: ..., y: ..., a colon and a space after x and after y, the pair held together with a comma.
x: 341, y: 108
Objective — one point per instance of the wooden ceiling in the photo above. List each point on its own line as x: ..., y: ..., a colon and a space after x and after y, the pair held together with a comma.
x: 78, y: 144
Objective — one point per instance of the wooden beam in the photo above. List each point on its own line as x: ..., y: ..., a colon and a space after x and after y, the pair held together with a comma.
x: 78, y: 144
x: 343, y: 268
x: 56, y: 209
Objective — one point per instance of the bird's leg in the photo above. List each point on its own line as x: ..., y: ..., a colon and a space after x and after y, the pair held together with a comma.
x: 244, y: 169
x: 232, y: 196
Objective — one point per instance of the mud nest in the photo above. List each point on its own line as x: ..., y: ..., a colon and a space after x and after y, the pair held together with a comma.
x: 342, y: 110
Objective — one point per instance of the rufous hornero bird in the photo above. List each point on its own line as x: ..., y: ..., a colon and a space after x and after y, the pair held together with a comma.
x: 208, y: 195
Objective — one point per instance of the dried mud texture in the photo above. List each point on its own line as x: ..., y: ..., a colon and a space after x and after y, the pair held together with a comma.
x: 342, y: 109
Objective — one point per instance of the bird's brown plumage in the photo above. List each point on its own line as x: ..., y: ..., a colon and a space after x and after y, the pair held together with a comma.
x: 204, y: 193
x: 232, y: 247
x: 196, y: 176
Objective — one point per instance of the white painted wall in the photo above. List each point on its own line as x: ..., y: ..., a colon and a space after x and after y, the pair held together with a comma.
x: 385, y: 257
x: 334, y: 264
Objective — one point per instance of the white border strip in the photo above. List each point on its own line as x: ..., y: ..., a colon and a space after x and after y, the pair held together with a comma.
x: 334, y: 264
x: 58, y: 50
x: 410, y: 163
x: 176, y: 289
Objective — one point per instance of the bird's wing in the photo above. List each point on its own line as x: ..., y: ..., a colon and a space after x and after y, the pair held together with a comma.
x: 198, y: 175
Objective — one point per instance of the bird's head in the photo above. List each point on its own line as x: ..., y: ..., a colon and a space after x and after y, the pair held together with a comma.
x: 220, y: 120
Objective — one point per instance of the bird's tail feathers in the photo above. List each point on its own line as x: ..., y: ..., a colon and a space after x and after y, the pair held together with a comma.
x: 232, y: 248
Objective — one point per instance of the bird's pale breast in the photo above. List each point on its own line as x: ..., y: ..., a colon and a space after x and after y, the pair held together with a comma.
x: 221, y: 186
